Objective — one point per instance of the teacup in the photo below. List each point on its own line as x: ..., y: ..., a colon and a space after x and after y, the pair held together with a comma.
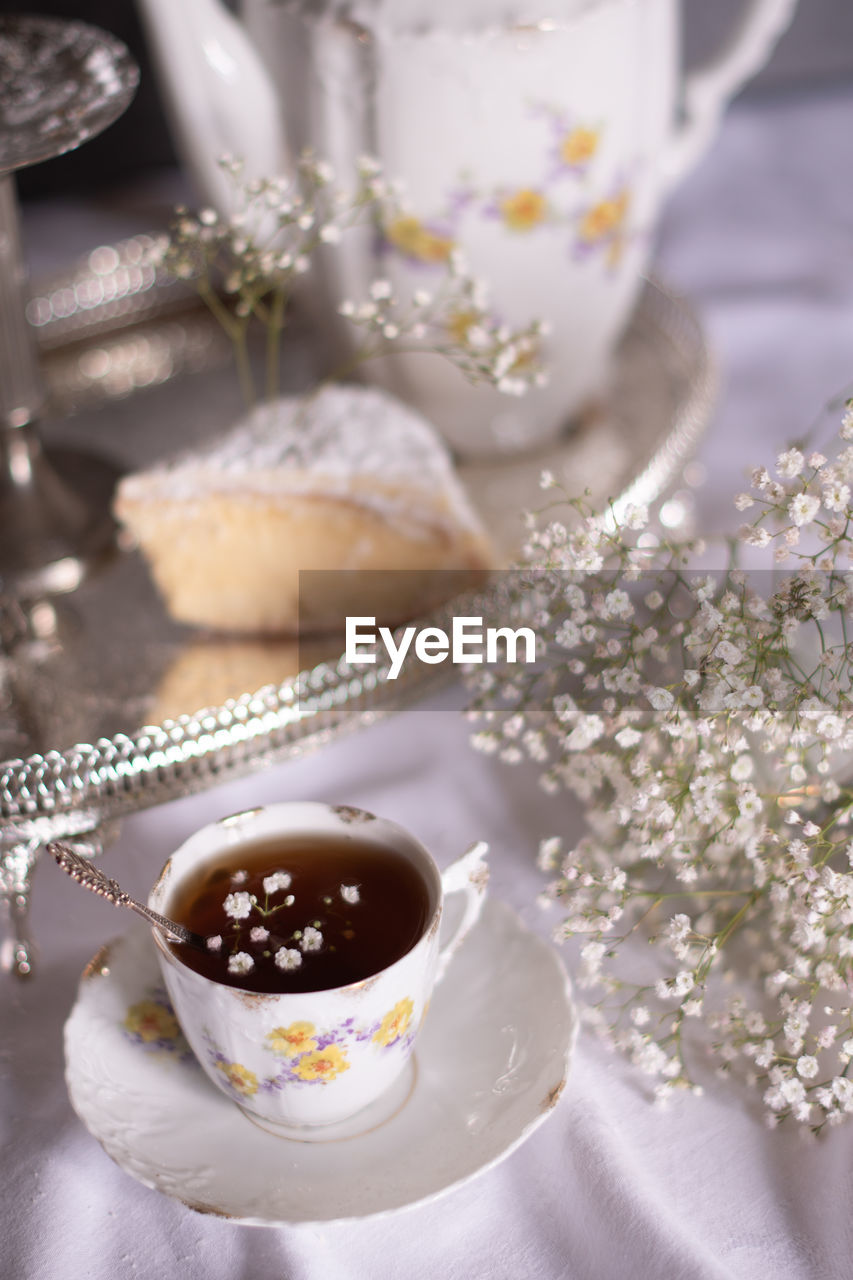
x: 304, y: 1063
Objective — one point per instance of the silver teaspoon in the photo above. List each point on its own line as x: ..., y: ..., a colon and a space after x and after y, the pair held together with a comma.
x: 92, y: 878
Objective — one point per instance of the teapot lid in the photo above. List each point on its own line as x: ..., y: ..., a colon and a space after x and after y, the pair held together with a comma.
x: 424, y: 17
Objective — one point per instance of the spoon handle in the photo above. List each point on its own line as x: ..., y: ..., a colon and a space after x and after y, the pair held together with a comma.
x: 92, y: 878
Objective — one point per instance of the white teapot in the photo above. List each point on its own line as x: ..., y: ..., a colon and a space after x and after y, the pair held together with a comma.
x: 539, y: 136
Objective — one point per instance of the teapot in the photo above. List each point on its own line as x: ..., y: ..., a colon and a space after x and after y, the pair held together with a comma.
x: 540, y: 137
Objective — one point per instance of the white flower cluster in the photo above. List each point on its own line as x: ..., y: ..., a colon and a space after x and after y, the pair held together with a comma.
x: 278, y: 880
x: 706, y: 721
x: 245, y: 910
x: 247, y: 264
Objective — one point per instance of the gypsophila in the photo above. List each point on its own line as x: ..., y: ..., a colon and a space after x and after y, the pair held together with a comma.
x: 278, y: 880
x: 705, y: 721
x: 311, y: 940
x: 246, y: 264
x: 261, y: 929
x: 238, y: 905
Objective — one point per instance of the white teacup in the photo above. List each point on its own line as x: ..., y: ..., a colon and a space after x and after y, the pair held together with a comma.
x: 303, y: 1064
x: 539, y: 138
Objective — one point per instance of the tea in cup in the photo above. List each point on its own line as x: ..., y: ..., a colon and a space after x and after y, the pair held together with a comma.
x: 323, y: 942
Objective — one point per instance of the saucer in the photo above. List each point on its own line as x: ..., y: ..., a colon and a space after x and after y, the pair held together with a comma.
x: 491, y: 1063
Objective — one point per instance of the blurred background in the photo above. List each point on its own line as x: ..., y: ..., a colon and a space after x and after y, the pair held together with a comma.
x: 816, y: 50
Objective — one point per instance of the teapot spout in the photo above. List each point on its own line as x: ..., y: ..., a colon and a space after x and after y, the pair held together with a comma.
x: 219, y: 96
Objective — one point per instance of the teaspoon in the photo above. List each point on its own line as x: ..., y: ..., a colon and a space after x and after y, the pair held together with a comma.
x: 92, y: 878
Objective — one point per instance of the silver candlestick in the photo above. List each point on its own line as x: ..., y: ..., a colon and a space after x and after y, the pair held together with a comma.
x: 60, y: 84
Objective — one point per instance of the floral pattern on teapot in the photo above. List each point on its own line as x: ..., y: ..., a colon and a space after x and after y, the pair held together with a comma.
x: 559, y: 200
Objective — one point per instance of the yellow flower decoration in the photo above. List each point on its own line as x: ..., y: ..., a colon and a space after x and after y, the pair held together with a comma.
x: 241, y: 1079
x: 290, y: 1041
x: 604, y: 218
x: 412, y: 238
x: 396, y: 1023
x: 579, y: 146
x: 523, y: 210
x: 322, y: 1064
x: 150, y: 1021
x: 459, y: 324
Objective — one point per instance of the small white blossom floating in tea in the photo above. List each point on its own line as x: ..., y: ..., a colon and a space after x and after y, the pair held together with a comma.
x: 278, y: 880
x: 288, y: 959
x: 238, y: 905
x: 342, y: 910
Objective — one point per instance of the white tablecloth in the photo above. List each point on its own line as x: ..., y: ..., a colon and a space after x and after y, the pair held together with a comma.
x: 760, y: 239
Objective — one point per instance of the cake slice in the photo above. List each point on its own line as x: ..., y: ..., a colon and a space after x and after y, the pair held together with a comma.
x: 348, y: 479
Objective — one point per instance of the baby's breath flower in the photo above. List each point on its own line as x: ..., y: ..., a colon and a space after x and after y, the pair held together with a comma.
x: 803, y: 508
x: 636, y: 516
x: 253, y: 260
x: 661, y: 699
x: 240, y: 963
x: 238, y: 905
x: 742, y: 768
x: 730, y: 653
x: 288, y: 959
x: 789, y: 464
x: 754, y: 536
x: 846, y: 430
x: 549, y: 853
x: 836, y: 496
x: 706, y: 728
x: 277, y: 881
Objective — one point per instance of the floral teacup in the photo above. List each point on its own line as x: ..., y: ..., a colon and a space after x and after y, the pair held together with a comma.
x: 300, y: 1062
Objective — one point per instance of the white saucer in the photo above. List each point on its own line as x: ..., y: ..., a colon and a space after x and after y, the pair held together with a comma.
x: 492, y: 1061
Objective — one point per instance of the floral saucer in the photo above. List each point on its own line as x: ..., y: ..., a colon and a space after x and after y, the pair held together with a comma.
x: 490, y: 1065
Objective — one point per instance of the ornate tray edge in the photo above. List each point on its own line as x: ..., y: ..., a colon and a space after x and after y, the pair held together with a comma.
x: 72, y: 789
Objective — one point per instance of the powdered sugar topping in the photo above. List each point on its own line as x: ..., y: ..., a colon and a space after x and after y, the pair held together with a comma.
x: 356, y: 442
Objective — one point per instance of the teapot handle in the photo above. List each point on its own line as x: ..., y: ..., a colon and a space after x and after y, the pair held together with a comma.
x: 708, y: 89
x: 219, y: 96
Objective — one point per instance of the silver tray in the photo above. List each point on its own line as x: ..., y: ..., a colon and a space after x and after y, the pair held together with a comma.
x: 93, y: 670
